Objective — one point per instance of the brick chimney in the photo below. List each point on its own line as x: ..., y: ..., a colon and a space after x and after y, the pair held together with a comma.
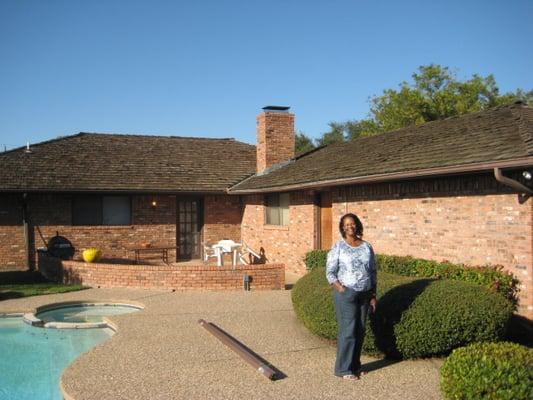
x: 275, y: 136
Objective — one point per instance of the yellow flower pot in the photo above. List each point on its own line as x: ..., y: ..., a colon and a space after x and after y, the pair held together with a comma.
x: 91, y: 255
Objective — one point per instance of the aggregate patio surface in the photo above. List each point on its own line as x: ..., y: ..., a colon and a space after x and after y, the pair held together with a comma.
x: 162, y: 352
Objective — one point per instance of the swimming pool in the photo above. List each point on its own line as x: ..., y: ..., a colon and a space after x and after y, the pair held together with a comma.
x: 32, y: 359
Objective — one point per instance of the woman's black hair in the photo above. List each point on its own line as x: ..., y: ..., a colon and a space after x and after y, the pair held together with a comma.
x: 358, y: 225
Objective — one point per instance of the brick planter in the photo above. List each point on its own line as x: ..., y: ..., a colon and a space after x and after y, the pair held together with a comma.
x: 203, y: 277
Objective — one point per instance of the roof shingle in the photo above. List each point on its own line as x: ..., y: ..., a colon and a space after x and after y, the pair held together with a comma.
x: 110, y: 162
x: 497, y: 134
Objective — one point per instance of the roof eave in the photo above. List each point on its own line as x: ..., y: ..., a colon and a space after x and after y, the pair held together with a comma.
x: 130, y: 191
x: 455, y: 169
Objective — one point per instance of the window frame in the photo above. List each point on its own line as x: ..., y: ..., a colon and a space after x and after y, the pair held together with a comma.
x: 99, y: 202
x: 274, y: 204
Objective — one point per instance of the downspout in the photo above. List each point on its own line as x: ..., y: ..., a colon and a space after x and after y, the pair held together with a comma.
x: 525, y: 192
x: 26, y: 230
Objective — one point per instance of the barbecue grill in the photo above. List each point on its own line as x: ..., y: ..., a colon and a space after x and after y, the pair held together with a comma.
x: 60, y: 247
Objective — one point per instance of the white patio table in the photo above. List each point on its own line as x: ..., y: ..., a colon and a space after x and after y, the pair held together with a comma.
x: 224, y: 247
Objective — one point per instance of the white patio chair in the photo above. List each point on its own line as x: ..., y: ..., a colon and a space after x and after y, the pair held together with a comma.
x: 209, y: 252
x: 247, y: 255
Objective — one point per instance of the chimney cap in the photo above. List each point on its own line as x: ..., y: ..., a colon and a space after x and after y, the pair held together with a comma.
x: 276, y: 108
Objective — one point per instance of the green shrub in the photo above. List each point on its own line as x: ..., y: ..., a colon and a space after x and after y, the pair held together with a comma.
x: 498, y: 371
x: 315, y: 259
x: 415, y: 317
x: 313, y: 304
x: 449, y: 314
x: 491, y: 277
x: 394, y: 300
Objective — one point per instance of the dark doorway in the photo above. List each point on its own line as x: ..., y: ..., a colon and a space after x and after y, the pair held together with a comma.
x: 189, y: 226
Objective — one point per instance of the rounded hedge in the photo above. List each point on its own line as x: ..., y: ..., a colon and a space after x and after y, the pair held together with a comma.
x: 313, y: 304
x: 492, y: 277
x: 315, y: 259
x: 450, y: 314
x: 415, y: 317
x: 488, y: 371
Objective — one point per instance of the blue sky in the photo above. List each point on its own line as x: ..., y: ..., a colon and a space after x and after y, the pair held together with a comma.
x: 206, y: 68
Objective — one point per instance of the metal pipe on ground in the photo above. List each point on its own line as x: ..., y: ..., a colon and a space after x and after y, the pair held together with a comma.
x: 251, y: 358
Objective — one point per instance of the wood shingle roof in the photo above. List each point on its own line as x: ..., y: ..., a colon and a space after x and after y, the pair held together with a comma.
x: 495, y: 135
x: 110, y: 162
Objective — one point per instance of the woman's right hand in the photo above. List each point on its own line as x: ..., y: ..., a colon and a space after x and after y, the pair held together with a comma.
x: 338, y: 286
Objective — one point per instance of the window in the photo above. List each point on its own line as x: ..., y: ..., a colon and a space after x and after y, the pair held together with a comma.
x: 277, y: 209
x: 101, y: 210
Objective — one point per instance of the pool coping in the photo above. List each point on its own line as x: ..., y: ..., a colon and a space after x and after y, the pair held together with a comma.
x: 32, y: 319
x: 11, y: 314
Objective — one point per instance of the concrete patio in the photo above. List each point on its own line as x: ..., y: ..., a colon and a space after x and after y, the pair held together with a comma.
x: 162, y: 352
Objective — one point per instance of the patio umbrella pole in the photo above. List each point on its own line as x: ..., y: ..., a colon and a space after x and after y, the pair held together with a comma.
x: 238, y: 348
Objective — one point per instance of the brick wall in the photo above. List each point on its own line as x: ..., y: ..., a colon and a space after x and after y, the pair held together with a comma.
x: 222, y: 218
x: 12, y: 248
x: 263, y: 277
x: 281, y: 244
x: 51, y: 213
x: 468, y: 220
x: 275, y: 138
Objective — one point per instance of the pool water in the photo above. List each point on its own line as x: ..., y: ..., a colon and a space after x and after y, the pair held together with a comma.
x: 32, y: 359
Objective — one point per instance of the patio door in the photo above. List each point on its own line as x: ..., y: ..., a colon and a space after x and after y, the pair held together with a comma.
x: 188, y: 230
x: 326, y: 228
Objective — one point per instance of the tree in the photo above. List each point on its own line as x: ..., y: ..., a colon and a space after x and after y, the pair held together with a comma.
x: 435, y: 94
x: 526, y: 97
x: 336, y: 134
x: 302, y: 143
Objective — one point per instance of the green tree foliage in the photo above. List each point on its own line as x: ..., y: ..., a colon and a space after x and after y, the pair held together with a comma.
x: 302, y: 143
x: 335, y: 134
x: 435, y: 93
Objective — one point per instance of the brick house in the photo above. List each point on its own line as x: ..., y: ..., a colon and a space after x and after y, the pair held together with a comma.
x: 117, y: 191
x: 446, y: 190
x: 452, y: 190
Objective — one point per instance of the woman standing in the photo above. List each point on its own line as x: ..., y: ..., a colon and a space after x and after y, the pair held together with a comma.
x: 351, y: 270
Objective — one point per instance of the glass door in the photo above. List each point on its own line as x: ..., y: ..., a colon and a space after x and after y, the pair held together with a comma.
x: 188, y: 229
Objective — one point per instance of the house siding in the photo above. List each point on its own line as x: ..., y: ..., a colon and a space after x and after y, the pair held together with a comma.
x: 466, y: 220
x: 222, y: 218
x: 51, y: 213
x: 12, y: 248
x: 282, y: 244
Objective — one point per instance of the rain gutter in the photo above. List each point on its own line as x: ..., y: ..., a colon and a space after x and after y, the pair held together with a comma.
x: 524, y: 191
x: 26, y: 230
x: 455, y: 169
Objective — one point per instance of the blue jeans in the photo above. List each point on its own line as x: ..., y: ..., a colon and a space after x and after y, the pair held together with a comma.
x: 351, y: 308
